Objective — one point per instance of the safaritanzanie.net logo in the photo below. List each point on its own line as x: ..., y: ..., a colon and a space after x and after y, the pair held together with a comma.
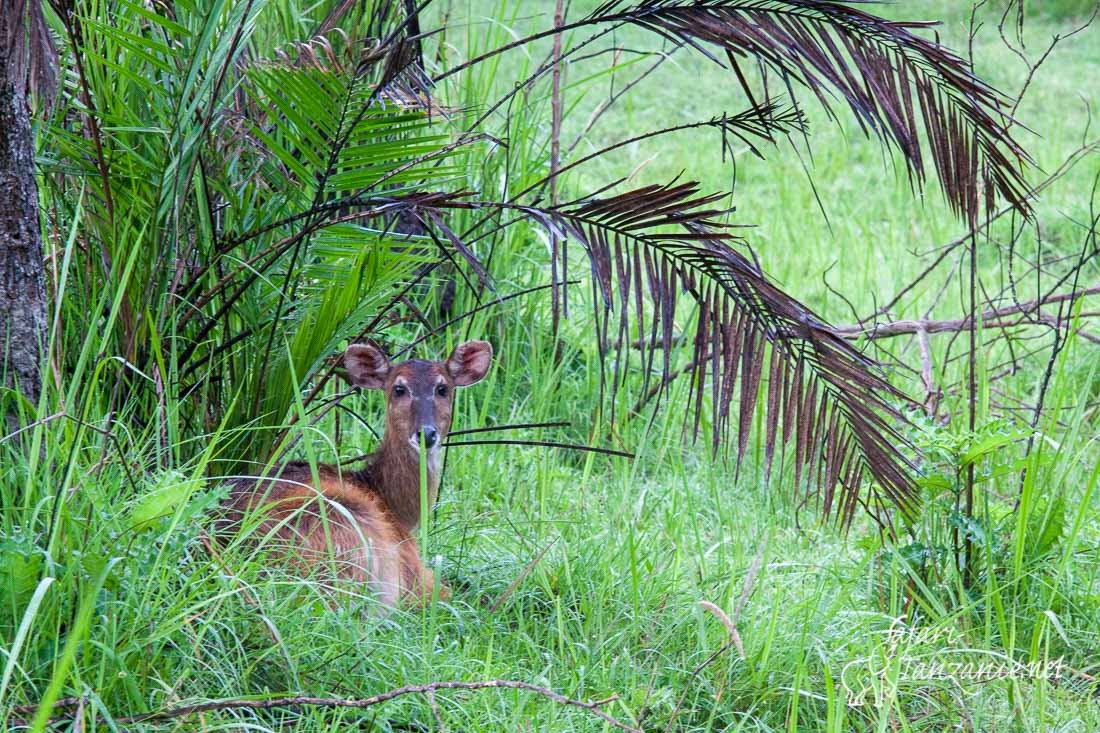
x: 922, y: 657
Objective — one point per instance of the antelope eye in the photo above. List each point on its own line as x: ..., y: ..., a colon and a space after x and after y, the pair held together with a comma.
x: 400, y: 390
x: 441, y: 390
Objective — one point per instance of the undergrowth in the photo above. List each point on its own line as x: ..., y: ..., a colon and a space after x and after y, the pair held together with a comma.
x: 578, y: 572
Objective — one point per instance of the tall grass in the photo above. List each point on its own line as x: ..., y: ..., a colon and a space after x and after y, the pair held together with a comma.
x: 113, y: 595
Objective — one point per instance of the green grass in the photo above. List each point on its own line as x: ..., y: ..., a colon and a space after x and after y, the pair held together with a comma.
x: 139, y: 616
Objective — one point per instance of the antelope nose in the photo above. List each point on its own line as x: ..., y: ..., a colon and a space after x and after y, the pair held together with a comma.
x: 430, y: 436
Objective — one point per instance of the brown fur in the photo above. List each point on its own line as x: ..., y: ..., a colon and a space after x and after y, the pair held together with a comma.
x: 362, y: 524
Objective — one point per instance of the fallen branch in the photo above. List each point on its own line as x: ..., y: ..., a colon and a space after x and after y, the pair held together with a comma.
x: 994, y: 318
x: 428, y: 689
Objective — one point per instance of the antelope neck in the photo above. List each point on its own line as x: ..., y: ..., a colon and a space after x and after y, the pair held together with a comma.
x: 393, y: 473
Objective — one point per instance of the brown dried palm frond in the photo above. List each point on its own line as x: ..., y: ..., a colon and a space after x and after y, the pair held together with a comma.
x: 823, y: 402
x: 902, y: 87
x: 821, y: 397
x: 896, y: 82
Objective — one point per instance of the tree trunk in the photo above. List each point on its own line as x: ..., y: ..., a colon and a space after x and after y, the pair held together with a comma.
x: 22, y: 281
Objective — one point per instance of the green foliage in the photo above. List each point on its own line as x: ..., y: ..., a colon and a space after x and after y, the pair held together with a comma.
x: 195, y: 320
x: 1065, y: 9
x: 185, y: 212
x: 933, y: 549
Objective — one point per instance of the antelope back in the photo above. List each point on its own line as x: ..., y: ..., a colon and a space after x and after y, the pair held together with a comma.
x: 332, y: 527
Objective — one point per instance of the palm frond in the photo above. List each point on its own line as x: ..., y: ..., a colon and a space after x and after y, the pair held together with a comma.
x: 244, y: 166
x: 822, y: 397
x: 902, y: 87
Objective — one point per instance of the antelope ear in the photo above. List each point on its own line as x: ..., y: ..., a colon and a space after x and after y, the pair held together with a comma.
x: 367, y: 366
x: 469, y: 362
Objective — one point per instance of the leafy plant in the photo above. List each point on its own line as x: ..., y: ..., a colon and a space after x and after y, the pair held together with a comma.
x: 232, y: 191
x: 262, y: 185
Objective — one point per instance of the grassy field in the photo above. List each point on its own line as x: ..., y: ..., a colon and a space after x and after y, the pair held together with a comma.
x: 584, y: 574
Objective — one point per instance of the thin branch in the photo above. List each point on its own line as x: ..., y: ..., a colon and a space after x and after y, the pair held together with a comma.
x: 430, y: 688
x: 1034, y: 67
x: 931, y: 393
x: 992, y: 318
x: 521, y: 577
x: 695, y: 673
x: 95, y: 429
x: 558, y: 253
x: 608, y: 103
x: 516, y: 426
x: 656, y: 389
x: 545, y: 444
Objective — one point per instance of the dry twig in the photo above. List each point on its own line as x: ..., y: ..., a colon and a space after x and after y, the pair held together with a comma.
x: 993, y: 318
x: 521, y: 577
x: 428, y: 689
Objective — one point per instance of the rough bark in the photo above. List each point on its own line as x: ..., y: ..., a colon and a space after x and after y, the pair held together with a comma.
x: 22, y: 281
